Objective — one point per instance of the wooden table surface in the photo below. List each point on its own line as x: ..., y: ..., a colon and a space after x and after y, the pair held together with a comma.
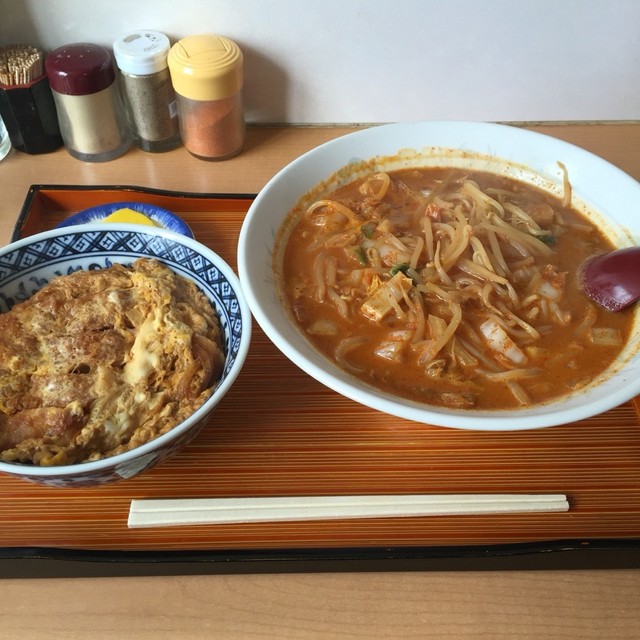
x: 516, y: 605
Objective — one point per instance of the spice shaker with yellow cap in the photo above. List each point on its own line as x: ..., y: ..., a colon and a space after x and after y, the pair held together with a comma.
x: 207, y: 76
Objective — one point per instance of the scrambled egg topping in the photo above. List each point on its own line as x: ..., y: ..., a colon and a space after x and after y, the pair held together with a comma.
x: 99, y: 362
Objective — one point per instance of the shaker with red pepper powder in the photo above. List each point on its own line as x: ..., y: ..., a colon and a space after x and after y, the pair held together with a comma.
x: 207, y: 76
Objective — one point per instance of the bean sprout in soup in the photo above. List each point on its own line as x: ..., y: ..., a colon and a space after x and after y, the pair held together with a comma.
x: 453, y: 288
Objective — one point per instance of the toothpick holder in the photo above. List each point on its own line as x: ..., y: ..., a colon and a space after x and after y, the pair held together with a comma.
x: 30, y: 116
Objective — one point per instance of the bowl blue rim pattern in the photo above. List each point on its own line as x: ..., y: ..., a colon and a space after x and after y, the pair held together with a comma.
x: 35, y: 251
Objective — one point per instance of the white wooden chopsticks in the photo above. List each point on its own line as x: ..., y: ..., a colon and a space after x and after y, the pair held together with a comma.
x: 189, y: 511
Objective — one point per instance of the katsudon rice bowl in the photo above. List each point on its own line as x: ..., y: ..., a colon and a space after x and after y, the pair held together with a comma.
x: 118, y: 342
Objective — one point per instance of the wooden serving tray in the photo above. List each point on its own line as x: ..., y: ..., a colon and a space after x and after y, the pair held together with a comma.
x: 279, y: 432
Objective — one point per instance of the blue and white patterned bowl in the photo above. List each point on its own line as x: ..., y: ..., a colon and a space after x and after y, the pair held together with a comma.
x: 162, y: 217
x: 28, y: 264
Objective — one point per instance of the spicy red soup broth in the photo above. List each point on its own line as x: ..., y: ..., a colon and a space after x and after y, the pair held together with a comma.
x: 452, y: 288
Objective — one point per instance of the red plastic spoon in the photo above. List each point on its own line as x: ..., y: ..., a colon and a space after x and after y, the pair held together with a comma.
x: 613, y: 279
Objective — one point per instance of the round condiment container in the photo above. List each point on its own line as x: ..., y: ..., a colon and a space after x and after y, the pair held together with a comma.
x: 91, y: 113
x: 207, y: 75
x: 141, y: 57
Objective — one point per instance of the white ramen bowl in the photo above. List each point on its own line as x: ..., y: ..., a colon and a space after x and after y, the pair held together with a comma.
x: 605, y: 194
x: 29, y: 264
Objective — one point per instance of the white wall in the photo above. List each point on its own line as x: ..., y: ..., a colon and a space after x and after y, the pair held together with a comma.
x: 364, y: 61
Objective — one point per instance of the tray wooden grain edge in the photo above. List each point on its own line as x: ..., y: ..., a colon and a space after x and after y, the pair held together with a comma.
x: 42, y: 199
x: 21, y: 561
